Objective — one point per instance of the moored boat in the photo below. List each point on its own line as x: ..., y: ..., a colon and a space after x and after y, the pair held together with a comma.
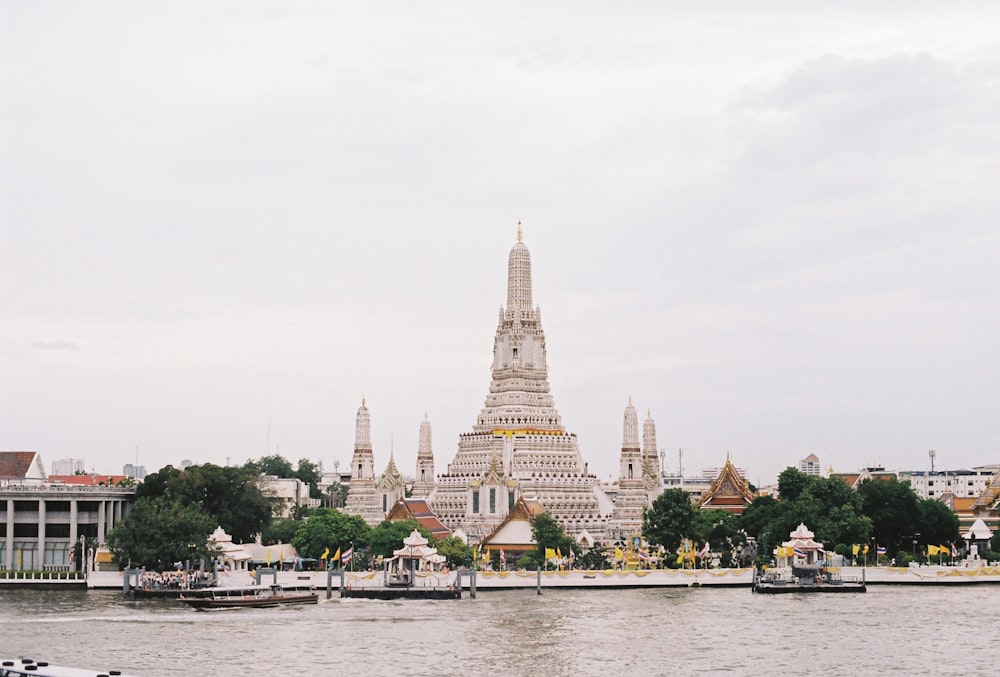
x: 254, y: 598
x: 805, y: 578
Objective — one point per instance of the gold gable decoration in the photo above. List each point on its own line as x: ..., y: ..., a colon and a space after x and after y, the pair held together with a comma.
x: 728, y: 491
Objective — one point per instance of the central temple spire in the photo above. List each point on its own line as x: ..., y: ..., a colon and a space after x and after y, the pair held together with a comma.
x: 519, y: 395
x: 519, y: 275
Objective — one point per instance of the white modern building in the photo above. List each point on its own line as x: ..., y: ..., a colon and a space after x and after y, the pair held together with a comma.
x: 960, y: 483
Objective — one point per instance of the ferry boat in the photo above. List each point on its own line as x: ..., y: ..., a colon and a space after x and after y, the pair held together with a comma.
x: 254, y: 598
x: 805, y: 578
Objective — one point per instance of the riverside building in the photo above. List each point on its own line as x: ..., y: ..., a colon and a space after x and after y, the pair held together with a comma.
x: 41, y: 521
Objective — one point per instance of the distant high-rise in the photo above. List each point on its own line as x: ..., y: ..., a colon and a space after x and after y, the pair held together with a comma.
x: 137, y: 472
x: 810, y: 465
x: 68, y: 466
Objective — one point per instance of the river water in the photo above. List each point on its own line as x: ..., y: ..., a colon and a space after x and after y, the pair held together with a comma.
x: 890, y: 629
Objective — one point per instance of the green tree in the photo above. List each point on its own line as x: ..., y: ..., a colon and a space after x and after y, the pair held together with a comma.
x: 327, y: 528
x: 308, y: 472
x: 230, y: 496
x: 791, y: 483
x: 549, y: 534
x: 669, y: 519
x: 388, y: 536
x: 893, y: 509
x: 719, y: 528
x: 938, y: 524
x: 455, y: 551
x: 595, y: 558
x: 757, y: 518
x: 828, y: 507
x: 158, y: 532
x: 273, y: 464
x: 281, y: 531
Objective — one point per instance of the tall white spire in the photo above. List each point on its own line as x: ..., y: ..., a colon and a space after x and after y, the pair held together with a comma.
x: 519, y: 275
x: 519, y: 397
x: 424, y: 446
x: 630, y: 429
x: 362, y: 426
x: 649, y: 435
x: 425, y: 461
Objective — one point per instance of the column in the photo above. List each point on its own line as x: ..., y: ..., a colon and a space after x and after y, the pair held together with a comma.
x: 102, y: 510
x: 73, y: 520
x: 10, y: 533
x: 41, y: 534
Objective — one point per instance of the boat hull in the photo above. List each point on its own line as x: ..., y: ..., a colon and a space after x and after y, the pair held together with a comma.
x: 259, y: 600
x: 772, y: 589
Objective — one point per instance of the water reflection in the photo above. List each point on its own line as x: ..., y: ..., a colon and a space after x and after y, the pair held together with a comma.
x: 655, y: 631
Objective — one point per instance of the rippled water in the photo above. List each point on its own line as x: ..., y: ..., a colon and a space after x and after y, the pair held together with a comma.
x: 897, y: 630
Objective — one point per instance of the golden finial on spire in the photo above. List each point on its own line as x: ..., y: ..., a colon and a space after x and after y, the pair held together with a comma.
x: 520, y: 231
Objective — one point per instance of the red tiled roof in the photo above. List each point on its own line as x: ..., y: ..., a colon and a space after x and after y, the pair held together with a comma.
x: 418, y: 509
x: 16, y: 464
x: 87, y: 479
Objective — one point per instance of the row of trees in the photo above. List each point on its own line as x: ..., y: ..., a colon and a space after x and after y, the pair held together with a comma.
x: 176, y: 510
x: 883, y: 512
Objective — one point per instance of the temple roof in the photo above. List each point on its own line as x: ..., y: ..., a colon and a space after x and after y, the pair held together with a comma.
x: 419, y: 509
x: 17, y: 464
x: 415, y: 547
x: 728, y: 491
x: 514, y: 533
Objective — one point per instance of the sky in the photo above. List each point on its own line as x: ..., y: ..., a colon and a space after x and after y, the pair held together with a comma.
x: 773, y: 225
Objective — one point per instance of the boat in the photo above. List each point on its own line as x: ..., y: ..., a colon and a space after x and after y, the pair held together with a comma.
x: 27, y: 666
x: 253, y: 598
x: 804, y: 578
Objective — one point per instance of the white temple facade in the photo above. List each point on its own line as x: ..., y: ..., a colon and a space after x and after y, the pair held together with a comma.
x: 518, y: 446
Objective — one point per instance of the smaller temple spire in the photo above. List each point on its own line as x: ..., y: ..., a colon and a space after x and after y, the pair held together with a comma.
x: 520, y: 231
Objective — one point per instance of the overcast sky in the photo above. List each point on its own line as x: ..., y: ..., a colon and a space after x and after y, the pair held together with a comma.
x: 773, y: 224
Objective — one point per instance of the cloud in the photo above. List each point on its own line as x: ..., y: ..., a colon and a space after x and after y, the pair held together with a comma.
x: 55, y: 345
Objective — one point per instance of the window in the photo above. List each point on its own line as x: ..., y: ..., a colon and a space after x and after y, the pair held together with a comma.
x: 510, y: 501
x: 493, y: 501
x: 475, y: 502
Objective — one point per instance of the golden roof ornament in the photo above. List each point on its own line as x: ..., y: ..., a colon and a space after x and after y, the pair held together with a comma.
x: 520, y: 231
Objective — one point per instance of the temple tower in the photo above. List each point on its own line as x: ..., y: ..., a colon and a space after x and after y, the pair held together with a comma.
x: 424, y: 483
x: 518, y: 445
x: 362, y: 497
x: 632, y: 496
x: 651, y: 477
x: 391, y: 486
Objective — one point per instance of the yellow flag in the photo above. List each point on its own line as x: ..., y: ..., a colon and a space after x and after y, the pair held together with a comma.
x: 336, y: 556
x: 559, y: 552
x: 866, y: 549
x: 550, y: 553
x: 856, y: 548
x: 932, y: 550
x: 943, y: 550
x: 618, y: 553
x: 326, y: 553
